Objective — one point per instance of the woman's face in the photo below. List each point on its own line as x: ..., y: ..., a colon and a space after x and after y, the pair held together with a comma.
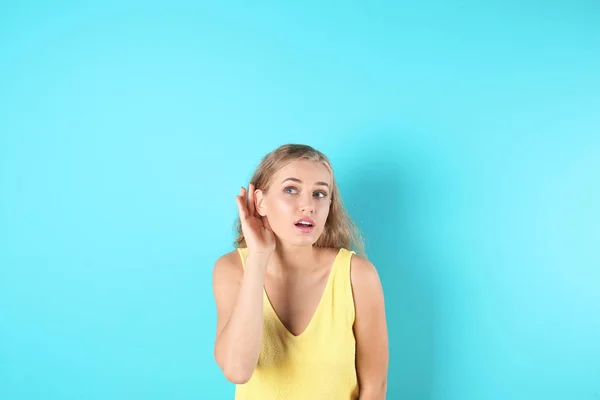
x: 299, y: 190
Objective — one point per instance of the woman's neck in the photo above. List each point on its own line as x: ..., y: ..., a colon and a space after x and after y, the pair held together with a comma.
x: 291, y: 259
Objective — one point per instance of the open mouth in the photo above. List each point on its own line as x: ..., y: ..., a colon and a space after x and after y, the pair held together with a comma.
x: 305, y: 224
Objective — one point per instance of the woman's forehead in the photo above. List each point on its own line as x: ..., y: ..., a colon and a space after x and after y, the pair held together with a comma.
x: 306, y: 171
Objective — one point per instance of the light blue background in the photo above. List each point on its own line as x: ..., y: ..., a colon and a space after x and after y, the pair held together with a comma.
x: 466, y: 142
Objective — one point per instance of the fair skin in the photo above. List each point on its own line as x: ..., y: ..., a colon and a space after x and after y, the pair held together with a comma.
x: 293, y: 272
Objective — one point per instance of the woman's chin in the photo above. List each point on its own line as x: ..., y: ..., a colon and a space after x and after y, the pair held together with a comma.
x: 302, y: 239
x: 297, y: 237
x: 306, y: 239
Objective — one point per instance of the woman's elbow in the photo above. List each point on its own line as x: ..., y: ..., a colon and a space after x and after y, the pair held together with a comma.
x: 237, y: 376
x: 233, y: 373
x: 373, y: 390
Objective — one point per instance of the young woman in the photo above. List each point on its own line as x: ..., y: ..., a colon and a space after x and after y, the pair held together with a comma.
x: 300, y: 314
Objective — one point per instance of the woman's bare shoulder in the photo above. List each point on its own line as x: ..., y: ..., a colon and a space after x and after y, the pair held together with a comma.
x: 363, y: 273
x: 228, y: 265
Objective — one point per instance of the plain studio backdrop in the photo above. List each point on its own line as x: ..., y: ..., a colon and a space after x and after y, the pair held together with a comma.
x: 466, y: 141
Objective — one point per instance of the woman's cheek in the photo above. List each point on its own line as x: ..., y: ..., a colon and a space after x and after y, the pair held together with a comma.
x: 283, y: 214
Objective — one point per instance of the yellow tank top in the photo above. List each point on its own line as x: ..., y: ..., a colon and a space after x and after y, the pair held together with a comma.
x: 318, y: 364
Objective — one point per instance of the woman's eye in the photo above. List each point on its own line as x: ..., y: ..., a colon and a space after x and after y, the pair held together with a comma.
x: 291, y: 190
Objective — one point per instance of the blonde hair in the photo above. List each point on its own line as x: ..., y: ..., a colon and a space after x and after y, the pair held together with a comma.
x: 340, y: 230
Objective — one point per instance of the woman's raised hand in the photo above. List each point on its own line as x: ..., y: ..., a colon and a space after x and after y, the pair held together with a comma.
x: 259, y: 236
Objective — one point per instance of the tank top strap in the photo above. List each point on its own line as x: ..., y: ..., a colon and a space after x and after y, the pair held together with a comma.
x: 243, y: 252
x: 342, y: 284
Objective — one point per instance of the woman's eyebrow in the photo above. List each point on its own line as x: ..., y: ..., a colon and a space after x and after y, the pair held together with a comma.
x: 299, y: 181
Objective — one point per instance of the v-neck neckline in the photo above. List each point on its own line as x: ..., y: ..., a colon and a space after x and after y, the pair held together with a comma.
x: 319, y: 305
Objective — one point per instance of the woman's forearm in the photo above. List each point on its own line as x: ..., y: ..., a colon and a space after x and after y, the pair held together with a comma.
x: 239, y: 343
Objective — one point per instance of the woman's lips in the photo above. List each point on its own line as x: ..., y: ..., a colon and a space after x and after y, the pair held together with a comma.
x: 305, y: 228
x: 308, y: 226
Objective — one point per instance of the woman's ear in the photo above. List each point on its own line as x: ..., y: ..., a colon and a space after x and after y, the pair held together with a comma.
x: 259, y: 202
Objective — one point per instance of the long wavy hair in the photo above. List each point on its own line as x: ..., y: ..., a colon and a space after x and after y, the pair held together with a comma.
x: 340, y: 230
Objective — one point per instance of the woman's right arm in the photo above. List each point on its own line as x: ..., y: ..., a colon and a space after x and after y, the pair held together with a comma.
x: 239, y: 300
x: 239, y: 294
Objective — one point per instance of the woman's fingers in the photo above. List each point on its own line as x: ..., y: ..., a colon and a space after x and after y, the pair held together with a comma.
x: 240, y: 207
x: 251, y: 199
x: 241, y: 203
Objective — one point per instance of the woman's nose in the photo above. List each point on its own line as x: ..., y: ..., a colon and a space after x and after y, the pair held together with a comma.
x: 308, y: 208
x: 307, y: 204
